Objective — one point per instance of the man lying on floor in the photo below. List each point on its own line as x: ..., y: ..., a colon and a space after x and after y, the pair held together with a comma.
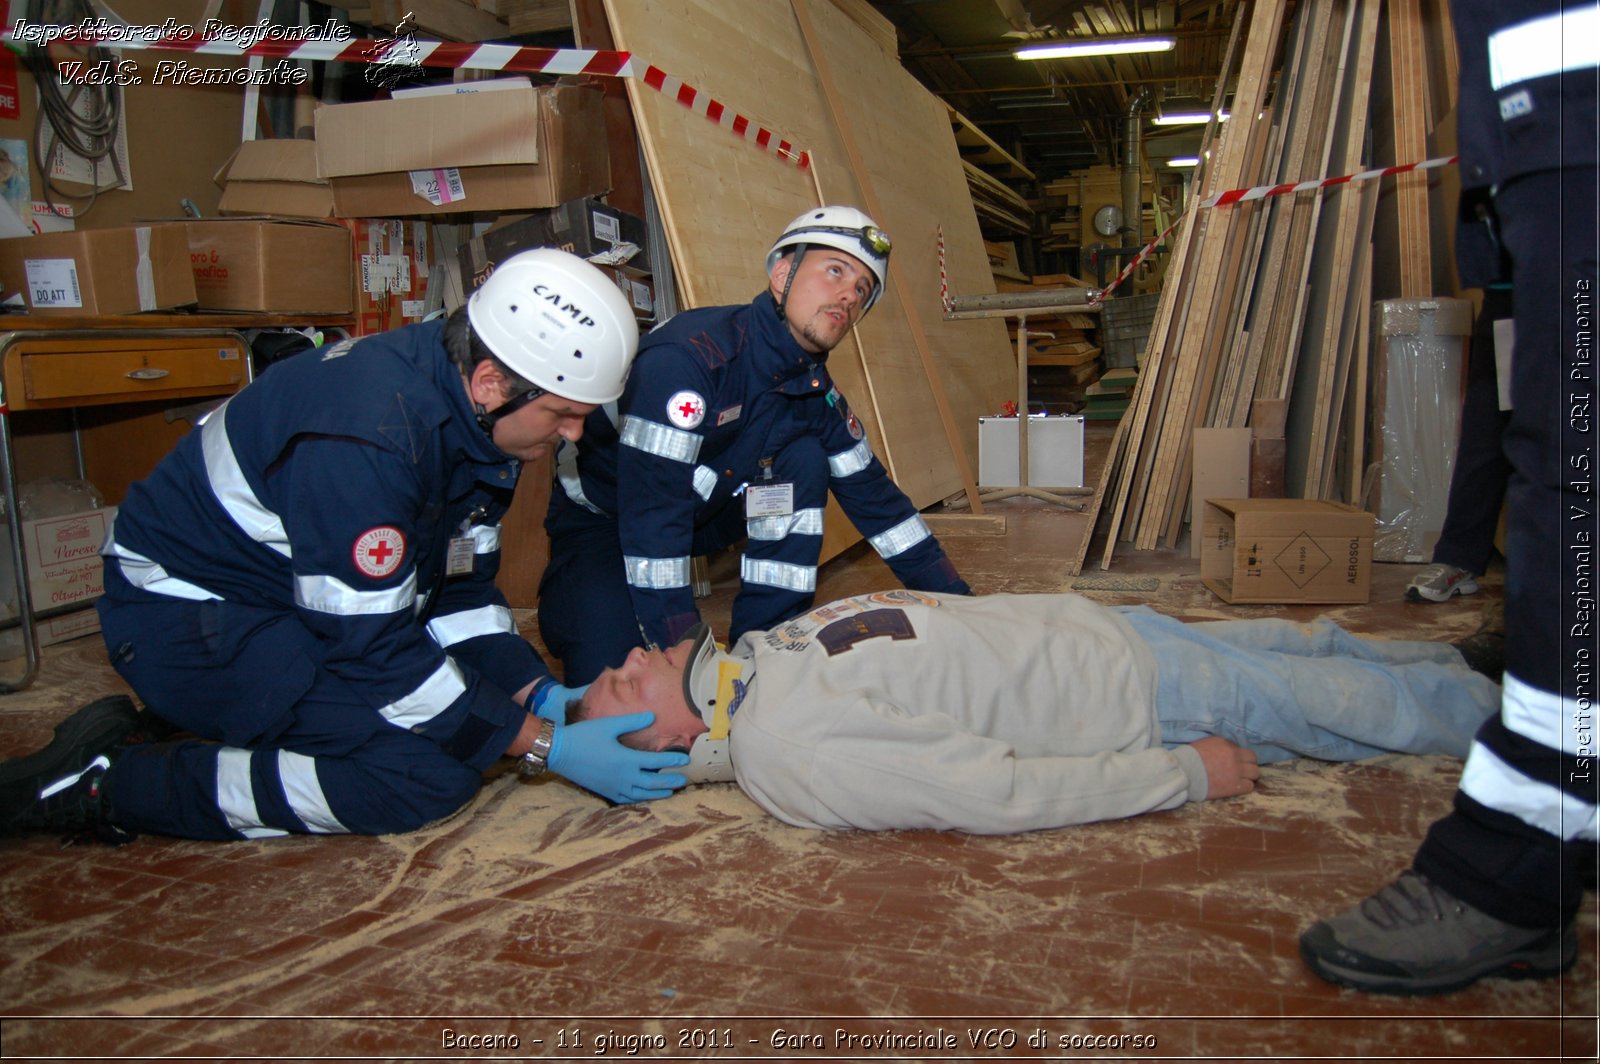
x: 1009, y: 713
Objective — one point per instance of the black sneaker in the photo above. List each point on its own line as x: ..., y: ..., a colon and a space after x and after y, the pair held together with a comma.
x: 61, y: 787
x: 1484, y: 652
x: 1413, y: 937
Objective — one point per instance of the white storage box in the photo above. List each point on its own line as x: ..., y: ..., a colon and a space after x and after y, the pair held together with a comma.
x: 1055, y: 452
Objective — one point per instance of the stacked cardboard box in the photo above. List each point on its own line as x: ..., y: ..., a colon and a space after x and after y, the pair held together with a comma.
x: 612, y: 239
x: 477, y: 146
x: 121, y: 270
x: 271, y: 265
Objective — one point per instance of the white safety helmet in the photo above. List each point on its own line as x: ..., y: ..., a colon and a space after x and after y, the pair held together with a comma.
x: 558, y: 321
x: 843, y: 229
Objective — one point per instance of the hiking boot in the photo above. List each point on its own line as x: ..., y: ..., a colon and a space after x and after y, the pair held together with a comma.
x: 1437, y: 583
x: 61, y: 788
x: 1484, y: 652
x: 1412, y: 937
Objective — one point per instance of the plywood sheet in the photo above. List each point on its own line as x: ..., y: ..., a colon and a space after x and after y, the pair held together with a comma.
x: 723, y: 202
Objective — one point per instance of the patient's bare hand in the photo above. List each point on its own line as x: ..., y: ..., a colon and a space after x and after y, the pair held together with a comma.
x: 1230, y: 770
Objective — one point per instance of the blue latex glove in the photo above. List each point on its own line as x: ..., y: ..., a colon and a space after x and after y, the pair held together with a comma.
x: 550, y: 701
x: 588, y: 754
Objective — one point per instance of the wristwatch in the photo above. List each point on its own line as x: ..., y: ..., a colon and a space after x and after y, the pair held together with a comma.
x: 537, y: 759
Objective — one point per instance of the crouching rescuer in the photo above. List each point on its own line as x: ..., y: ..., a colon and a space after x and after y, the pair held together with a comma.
x: 303, y: 591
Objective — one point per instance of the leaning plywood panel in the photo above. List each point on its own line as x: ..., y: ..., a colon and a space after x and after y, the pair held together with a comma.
x: 723, y: 200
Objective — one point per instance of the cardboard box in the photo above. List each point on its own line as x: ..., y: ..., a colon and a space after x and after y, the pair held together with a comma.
x: 392, y: 261
x: 1055, y: 452
x: 271, y: 266
x: 586, y: 227
x: 64, y: 573
x: 1286, y: 550
x: 50, y: 631
x: 121, y: 270
x: 638, y: 287
x: 275, y: 177
x: 63, y: 554
x: 514, y: 149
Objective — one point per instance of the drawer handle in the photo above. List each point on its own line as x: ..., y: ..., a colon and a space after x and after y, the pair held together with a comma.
x: 148, y: 373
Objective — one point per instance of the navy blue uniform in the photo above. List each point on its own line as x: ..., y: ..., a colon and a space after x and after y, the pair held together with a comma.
x: 722, y: 406
x: 280, y: 585
x: 1524, y: 824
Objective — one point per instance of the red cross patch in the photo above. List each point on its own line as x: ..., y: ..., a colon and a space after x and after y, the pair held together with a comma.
x: 379, y: 551
x: 686, y: 409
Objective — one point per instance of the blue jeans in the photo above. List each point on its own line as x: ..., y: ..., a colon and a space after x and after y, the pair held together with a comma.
x: 1289, y: 690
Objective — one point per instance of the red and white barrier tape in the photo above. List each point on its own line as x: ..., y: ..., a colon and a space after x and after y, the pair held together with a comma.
x: 444, y: 54
x: 944, y: 279
x: 1245, y: 195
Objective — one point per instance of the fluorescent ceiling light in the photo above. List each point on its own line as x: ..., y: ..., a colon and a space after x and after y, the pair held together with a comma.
x: 1184, y: 160
x: 1073, y: 50
x: 1186, y: 118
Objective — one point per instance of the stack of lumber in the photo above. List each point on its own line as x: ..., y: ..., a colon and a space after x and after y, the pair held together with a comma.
x: 1269, y: 298
x: 1003, y: 261
x: 998, y: 205
x: 1107, y: 399
x: 1062, y: 346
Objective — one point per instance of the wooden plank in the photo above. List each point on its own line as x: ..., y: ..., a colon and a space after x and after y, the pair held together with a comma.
x: 874, y: 25
x: 723, y: 200
x: 449, y: 20
x: 859, y: 170
x: 1331, y: 274
x: 979, y: 148
x: 1305, y: 116
x: 1286, y: 243
x: 536, y: 16
x: 1358, y: 296
x: 1123, y: 460
x: 1237, y: 148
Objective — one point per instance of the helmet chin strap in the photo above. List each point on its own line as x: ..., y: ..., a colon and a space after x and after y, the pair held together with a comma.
x: 487, y: 418
x: 794, y: 268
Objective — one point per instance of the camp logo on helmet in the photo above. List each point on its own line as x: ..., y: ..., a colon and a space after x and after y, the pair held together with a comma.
x: 555, y: 299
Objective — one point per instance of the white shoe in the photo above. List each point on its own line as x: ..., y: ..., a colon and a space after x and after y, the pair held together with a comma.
x: 1437, y: 583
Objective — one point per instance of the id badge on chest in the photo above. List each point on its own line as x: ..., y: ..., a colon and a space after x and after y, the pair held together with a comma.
x: 769, y: 500
x: 459, y: 556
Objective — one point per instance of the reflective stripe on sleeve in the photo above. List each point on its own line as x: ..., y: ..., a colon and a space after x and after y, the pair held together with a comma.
x: 847, y: 463
x: 705, y: 482
x: 901, y: 537
x: 656, y: 574
x: 455, y: 628
x: 298, y: 773
x: 1553, y: 44
x: 149, y: 575
x: 327, y: 594
x: 233, y: 491
x: 800, y: 523
x: 1497, y: 785
x: 784, y: 575
x: 236, y: 795
x: 571, y: 482
x: 431, y: 698
x: 664, y: 441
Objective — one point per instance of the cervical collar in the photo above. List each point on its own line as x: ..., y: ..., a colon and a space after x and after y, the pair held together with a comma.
x: 713, y: 685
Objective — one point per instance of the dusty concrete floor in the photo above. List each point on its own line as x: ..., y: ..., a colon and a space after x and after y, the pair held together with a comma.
x: 544, y: 916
